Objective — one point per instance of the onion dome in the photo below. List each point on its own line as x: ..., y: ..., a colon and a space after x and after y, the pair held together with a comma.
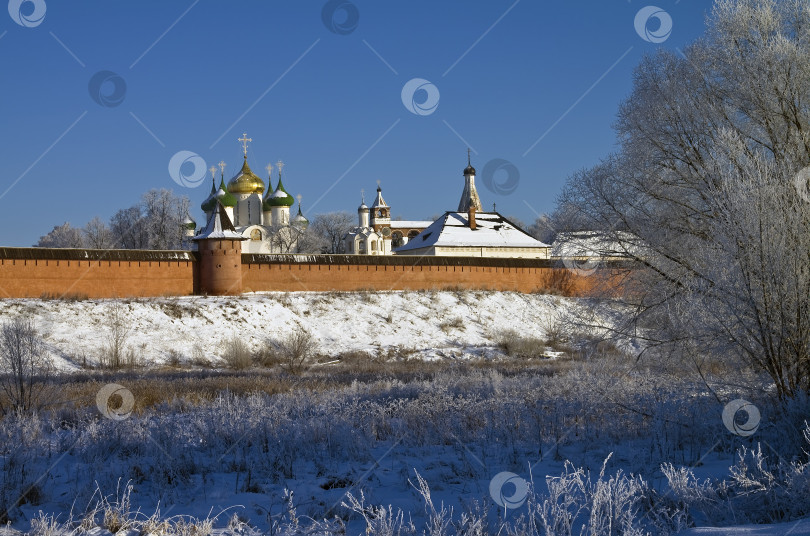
x: 224, y: 196
x: 469, y: 170
x: 363, y: 207
x: 189, y: 223
x: 280, y: 197
x: 210, y: 202
x: 266, y: 200
x: 246, y: 182
x: 300, y: 220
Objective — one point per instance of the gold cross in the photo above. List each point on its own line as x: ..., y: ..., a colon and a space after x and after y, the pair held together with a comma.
x: 280, y: 166
x: 269, y: 169
x: 244, y: 139
x: 222, y: 166
x: 213, y: 170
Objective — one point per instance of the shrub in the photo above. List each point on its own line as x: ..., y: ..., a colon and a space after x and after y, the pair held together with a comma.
x: 236, y: 354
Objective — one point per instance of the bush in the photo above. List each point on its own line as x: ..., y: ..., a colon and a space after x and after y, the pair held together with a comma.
x: 236, y: 354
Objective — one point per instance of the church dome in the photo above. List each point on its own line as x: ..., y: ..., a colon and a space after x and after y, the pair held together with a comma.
x: 225, y: 196
x: 280, y: 197
x: 246, y: 182
x: 300, y: 220
x: 469, y: 170
x: 189, y: 223
x: 210, y: 202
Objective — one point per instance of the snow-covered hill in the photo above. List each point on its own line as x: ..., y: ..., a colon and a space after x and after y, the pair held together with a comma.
x: 430, y: 325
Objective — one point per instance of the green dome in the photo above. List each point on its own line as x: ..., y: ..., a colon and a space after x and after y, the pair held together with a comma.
x: 189, y: 224
x: 226, y: 198
x: 210, y: 202
x: 300, y: 220
x: 280, y: 197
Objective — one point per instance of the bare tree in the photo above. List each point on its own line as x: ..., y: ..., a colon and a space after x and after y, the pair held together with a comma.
x: 62, y: 236
x: 164, y: 214
x: 97, y: 235
x: 24, y: 367
x: 298, y: 349
x: 707, y: 192
x: 331, y: 228
x: 128, y: 226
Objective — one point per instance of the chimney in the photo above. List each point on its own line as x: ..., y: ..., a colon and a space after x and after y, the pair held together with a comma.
x: 471, y: 217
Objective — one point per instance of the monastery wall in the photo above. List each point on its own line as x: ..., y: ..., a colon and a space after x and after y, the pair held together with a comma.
x: 40, y: 272
x: 351, y: 272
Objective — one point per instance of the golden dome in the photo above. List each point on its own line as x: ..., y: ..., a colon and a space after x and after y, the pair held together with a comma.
x: 246, y: 182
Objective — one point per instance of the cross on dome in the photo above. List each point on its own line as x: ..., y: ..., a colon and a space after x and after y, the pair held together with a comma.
x: 213, y: 170
x: 269, y: 169
x: 222, y: 166
x: 280, y: 166
x: 244, y: 139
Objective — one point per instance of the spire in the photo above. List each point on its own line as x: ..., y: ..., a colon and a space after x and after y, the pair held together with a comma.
x: 469, y: 197
x: 219, y: 226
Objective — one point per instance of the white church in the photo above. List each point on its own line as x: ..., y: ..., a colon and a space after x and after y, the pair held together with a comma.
x: 466, y: 232
x: 262, y: 218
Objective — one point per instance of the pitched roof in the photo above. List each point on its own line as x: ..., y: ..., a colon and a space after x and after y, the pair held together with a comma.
x: 219, y: 226
x: 453, y: 230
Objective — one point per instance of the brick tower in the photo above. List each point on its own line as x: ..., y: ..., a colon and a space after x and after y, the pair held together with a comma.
x: 220, y: 254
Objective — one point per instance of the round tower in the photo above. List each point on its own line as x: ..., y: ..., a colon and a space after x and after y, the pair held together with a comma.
x: 219, y: 247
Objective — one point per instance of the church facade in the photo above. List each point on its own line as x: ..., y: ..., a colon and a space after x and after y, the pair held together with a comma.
x: 260, y: 214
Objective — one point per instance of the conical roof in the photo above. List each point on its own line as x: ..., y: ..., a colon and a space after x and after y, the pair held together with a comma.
x: 280, y: 197
x: 210, y: 202
x: 219, y: 226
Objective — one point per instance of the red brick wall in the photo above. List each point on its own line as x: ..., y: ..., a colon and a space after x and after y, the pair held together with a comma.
x: 313, y: 276
x: 35, y: 272
x: 133, y: 274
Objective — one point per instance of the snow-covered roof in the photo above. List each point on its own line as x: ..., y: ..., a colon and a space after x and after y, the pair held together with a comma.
x: 219, y: 226
x: 594, y: 244
x: 410, y: 224
x: 453, y: 230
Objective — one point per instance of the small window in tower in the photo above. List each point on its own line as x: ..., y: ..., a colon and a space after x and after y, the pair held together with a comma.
x: 373, y: 246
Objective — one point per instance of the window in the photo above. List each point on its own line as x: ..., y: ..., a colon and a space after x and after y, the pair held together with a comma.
x: 373, y: 245
x: 255, y: 234
x: 361, y: 247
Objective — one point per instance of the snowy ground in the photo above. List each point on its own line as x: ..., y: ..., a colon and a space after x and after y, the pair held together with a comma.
x: 458, y: 430
x: 430, y: 325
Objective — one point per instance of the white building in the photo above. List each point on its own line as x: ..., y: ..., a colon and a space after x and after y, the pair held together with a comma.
x: 263, y: 220
x: 470, y: 232
x: 376, y: 233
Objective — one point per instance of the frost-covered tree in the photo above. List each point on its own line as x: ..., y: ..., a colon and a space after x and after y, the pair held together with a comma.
x: 62, y: 236
x: 97, y: 235
x: 708, y: 181
x: 331, y: 227
x: 129, y: 228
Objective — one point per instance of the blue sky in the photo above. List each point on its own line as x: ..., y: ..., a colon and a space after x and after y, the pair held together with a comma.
x: 325, y: 100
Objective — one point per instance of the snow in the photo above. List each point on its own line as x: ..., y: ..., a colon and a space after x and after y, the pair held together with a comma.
x: 796, y: 528
x: 430, y: 325
x: 453, y: 229
x: 410, y: 224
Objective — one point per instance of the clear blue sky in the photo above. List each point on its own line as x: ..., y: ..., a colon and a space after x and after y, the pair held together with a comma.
x: 198, y: 74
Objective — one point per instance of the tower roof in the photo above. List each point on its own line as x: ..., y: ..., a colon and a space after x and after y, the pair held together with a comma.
x: 280, y: 197
x: 246, y: 182
x: 469, y: 197
x: 219, y: 226
x: 300, y: 219
x: 379, y: 201
x: 469, y: 170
